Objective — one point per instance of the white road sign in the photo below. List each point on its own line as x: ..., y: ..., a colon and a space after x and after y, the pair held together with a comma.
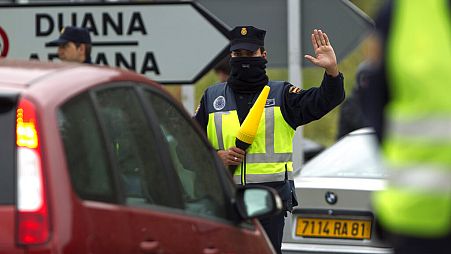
x: 173, y: 42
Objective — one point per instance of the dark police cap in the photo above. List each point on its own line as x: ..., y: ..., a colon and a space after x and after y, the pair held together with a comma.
x: 247, y: 37
x: 71, y: 34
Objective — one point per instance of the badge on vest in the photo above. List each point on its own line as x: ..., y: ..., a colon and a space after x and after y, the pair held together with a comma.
x: 219, y: 103
x: 270, y: 102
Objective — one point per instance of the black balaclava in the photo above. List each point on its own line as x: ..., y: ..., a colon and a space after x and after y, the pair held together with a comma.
x: 248, y: 74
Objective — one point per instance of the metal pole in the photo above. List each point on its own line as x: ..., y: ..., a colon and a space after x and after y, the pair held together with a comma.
x: 295, y: 68
x: 188, y: 98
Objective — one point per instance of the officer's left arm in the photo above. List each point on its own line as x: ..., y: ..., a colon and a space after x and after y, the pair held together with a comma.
x: 303, y: 106
x: 324, y: 53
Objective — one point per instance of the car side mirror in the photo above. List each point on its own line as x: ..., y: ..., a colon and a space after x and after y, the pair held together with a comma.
x: 257, y: 201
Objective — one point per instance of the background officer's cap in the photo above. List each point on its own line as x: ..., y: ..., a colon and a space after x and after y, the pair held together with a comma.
x: 247, y: 37
x: 73, y: 34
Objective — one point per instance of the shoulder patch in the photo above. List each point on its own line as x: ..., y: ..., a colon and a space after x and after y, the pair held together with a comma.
x: 295, y: 89
x: 219, y: 103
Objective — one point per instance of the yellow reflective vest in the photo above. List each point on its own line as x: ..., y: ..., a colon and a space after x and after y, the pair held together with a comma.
x: 269, y: 158
x: 417, y: 201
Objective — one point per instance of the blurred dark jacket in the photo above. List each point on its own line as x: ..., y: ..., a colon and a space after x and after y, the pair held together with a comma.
x: 351, y: 114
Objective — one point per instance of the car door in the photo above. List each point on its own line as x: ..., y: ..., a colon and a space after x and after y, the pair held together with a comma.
x: 206, y: 189
x: 146, y: 178
x: 100, y: 224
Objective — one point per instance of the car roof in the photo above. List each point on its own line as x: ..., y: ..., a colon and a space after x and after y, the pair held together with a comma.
x: 18, y: 72
x: 29, y: 73
x: 47, y: 80
x: 364, y: 131
x: 355, y: 155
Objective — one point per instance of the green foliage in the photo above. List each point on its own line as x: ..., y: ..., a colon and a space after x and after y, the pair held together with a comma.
x: 370, y: 7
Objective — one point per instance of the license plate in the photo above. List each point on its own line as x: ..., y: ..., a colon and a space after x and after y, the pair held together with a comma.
x: 333, y: 228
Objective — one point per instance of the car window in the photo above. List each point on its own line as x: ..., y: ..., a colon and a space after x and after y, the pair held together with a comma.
x: 7, y: 150
x: 84, y: 150
x: 355, y: 155
x: 195, y: 164
x: 141, y: 172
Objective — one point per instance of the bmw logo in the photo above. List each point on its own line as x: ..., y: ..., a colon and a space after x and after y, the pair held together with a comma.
x: 331, y: 197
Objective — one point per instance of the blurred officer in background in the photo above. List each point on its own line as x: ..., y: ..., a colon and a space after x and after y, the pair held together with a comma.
x: 223, y: 108
x: 74, y: 45
x: 222, y: 69
x: 351, y: 114
x: 408, y: 103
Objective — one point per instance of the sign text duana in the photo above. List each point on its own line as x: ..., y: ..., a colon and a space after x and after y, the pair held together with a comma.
x: 103, y: 25
x: 173, y: 42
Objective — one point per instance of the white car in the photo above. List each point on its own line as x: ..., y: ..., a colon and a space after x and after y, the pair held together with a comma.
x: 334, y: 190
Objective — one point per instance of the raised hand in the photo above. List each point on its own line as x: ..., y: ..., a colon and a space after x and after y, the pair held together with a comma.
x: 325, y: 55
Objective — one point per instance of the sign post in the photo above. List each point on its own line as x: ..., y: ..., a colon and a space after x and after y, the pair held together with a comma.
x: 171, y: 43
x: 294, y: 68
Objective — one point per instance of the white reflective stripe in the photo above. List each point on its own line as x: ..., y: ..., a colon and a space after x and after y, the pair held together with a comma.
x: 269, y: 131
x: 268, y: 158
x: 218, y: 125
x: 427, y: 127
x: 263, y: 178
x: 425, y: 178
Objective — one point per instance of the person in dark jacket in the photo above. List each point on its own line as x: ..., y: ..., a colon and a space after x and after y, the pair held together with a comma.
x: 224, y: 106
x: 351, y: 114
x: 74, y: 45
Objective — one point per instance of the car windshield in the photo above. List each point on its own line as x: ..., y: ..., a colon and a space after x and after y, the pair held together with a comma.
x: 355, y: 156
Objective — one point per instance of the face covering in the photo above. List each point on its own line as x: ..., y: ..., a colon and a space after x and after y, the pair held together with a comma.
x: 248, y: 74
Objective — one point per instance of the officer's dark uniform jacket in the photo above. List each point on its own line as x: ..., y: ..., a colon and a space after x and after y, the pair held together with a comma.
x: 269, y: 159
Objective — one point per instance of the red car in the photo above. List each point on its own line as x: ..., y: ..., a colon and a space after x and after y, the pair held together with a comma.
x: 102, y: 160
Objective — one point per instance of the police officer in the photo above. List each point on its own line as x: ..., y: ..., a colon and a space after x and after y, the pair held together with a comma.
x: 224, y: 106
x: 407, y: 102
x: 74, y: 45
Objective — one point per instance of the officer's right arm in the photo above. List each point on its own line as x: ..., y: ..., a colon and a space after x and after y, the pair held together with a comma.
x: 232, y: 156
